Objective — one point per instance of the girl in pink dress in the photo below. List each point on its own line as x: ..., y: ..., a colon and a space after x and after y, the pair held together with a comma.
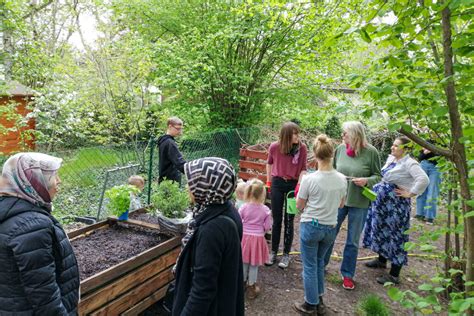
x: 256, y: 220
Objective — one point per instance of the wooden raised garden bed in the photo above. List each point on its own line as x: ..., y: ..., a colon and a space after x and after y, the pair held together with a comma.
x: 125, y: 266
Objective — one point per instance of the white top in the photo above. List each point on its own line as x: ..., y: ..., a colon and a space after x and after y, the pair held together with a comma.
x: 135, y: 202
x: 323, y: 192
x: 406, y: 174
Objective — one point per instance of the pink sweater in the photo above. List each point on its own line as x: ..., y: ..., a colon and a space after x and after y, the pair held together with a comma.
x: 256, y: 218
x: 283, y: 165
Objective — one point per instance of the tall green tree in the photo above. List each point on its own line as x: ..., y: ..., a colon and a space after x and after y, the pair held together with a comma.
x: 227, y: 59
x: 424, y: 82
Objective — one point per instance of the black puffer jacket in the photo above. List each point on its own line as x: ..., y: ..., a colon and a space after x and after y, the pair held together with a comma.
x: 38, y: 268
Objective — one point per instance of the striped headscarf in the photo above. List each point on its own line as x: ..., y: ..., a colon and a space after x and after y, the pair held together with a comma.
x: 28, y: 175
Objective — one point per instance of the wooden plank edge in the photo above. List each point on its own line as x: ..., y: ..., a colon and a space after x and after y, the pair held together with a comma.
x: 253, y: 154
x: 247, y: 164
x: 134, y: 296
x: 99, y: 298
x: 83, y: 230
x: 147, y: 302
x: 247, y: 176
x: 97, y: 225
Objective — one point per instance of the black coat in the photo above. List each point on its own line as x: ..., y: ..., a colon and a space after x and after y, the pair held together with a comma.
x: 38, y: 268
x: 209, y: 274
x: 171, y: 162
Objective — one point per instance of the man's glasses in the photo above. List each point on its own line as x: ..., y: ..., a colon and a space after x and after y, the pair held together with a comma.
x: 178, y: 127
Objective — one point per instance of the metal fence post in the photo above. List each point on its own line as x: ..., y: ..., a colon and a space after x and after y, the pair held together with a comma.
x: 150, y: 169
x: 102, y: 196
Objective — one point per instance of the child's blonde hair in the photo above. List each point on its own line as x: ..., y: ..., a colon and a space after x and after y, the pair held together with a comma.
x: 255, y: 191
x: 240, y: 189
x: 137, y: 181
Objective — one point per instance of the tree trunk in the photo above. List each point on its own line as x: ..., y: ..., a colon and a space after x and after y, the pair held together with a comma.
x: 447, y: 242
x: 8, y: 53
x: 459, y: 151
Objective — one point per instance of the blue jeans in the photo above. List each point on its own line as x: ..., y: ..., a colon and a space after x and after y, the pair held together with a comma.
x: 357, y: 217
x: 427, y: 203
x: 316, y: 239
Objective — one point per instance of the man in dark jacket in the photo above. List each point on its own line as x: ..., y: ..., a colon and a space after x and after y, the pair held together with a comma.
x: 39, y: 273
x: 171, y: 160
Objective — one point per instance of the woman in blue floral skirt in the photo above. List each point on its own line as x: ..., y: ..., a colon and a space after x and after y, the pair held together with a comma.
x: 389, y: 216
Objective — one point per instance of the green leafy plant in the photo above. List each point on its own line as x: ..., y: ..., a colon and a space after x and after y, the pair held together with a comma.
x: 372, y: 305
x: 119, y: 198
x: 333, y: 127
x: 170, y: 200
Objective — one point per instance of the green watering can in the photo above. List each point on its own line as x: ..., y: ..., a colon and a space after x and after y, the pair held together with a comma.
x: 368, y: 193
x: 291, y: 203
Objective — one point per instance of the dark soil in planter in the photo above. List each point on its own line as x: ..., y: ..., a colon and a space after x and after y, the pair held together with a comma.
x: 145, y: 217
x: 107, y: 247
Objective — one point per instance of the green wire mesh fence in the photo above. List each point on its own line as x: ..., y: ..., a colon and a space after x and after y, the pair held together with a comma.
x: 88, y: 172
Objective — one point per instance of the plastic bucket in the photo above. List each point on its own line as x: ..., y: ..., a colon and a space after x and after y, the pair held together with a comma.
x: 368, y: 193
x: 123, y: 216
x: 291, y: 203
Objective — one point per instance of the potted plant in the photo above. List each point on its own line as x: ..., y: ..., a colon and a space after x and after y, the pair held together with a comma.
x: 169, y: 206
x: 119, y: 200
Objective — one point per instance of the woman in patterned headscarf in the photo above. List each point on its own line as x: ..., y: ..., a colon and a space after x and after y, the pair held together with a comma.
x: 39, y: 270
x: 209, y: 272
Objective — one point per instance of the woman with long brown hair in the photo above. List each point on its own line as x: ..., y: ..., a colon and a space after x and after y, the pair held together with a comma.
x: 285, y: 166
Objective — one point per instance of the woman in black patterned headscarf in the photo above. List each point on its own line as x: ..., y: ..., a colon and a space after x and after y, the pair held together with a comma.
x: 209, y: 272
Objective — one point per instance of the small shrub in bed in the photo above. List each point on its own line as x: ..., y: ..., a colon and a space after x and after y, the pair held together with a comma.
x: 169, y: 206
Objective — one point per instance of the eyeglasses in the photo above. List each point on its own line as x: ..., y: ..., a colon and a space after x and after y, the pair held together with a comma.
x: 178, y: 127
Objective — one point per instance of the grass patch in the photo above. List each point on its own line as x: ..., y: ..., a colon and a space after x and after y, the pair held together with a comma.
x: 89, y: 158
x: 333, y: 278
x: 372, y: 305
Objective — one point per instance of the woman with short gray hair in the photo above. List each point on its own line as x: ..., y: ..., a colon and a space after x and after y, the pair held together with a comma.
x: 360, y: 163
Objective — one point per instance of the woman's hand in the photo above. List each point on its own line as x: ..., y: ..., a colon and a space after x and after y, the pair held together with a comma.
x: 361, y: 182
x: 403, y: 193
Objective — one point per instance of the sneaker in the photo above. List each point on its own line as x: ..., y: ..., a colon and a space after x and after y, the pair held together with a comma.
x: 305, y: 308
x: 253, y: 291
x: 271, y: 259
x: 285, y: 261
x: 388, y: 278
x: 348, y: 283
x: 429, y: 221
x: 376, y: 264
x: 420, y: 217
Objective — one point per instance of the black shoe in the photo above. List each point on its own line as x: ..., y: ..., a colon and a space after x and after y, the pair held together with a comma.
x: 321, y: 308
x: 429, y: 221
x: 376, y: 264
x: 420, y: 217
x: 305, y: 308
x: 388, y: 278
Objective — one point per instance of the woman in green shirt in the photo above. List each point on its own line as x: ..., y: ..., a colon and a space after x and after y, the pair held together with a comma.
x: 360, y: 163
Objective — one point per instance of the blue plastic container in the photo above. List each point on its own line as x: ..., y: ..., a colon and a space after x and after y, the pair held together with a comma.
x: 124, y: 216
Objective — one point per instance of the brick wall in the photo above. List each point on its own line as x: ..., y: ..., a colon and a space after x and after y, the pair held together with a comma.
x: 12, y: 141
